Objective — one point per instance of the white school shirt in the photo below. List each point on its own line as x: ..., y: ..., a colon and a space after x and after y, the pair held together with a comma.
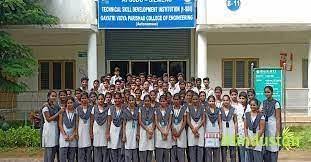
x: 114, y: 78
x: 159, y: 94
x: 115, y: 140
x: 131, y: 133
x: 239, y: 110
x: 174, y: 90
x: 208, y: 91
x: 50, y: 131
x: 102, y: 90
x: 159, y: 142
x: 228, y: 134
x: 192, y: 140
x: 252, y: 135
x: 143, y: 94
x: 69, y: 132
x: 99, y: 132
x: 145, y: 144
x: 181, y: 142
x: 84, y: 132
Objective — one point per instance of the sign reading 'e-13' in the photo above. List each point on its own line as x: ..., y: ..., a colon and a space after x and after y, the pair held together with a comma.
x: 146, y: 14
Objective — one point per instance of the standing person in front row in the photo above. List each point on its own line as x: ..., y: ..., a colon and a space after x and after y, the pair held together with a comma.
x: 50, y: 128
x: 99, y: 124
x: 84, y: 130
x: 130, y: 130
x: 254, y: 124
x: 229, y: 129
x: 178, y: 130
x: 114, y: 131
x: 146, y: 133
x: 68, y: 131
x: 213, y: 131
x: 272, y: 112
x: 163, y: 138
x: 196, y: 119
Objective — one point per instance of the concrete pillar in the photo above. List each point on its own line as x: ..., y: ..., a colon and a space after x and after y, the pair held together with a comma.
x: 92, y: 59
x: 201, y: 63
x: 309, y: 79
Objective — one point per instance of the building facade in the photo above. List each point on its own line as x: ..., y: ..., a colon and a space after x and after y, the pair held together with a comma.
x: 230, y: 35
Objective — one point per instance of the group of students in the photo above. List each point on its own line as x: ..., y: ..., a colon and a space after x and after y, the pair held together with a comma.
x: 185, y: 126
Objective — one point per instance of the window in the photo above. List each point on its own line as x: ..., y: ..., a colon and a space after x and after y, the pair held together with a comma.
x: 139, y: 67
x: 177, y: 67
x: 237, y: 72
x: 56, y: 75
x: 123, y: 65
x: 304, y: 73
x: 158, y: 68
x: 155, y: 67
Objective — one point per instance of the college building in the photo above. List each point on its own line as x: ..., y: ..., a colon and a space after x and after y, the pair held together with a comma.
x: 229, y: 36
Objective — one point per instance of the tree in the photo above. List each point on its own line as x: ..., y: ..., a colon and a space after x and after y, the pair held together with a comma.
x: 17, y: 60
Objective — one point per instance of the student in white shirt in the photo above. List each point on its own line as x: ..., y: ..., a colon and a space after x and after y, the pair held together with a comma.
x: 50, y: 128
x: 84, y: 84
x: 173, y: 88
x: 218, y: 96
x: 145, y: 91
x: 104, y: 87
x: 114, y: 129
x: 207, y: 89
x: 116, y: 75
x: 68, y: 132
x: 254, y: 123
x: 85, y: 133
x: 180, y: 78
x: 163, y: 135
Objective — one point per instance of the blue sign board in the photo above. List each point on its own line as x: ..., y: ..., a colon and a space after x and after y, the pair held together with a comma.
x: 269, y: 77
x: 233, y: 5
x: 146, y: 14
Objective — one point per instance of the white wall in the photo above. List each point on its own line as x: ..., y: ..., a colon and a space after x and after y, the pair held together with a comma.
x: 55, y: 45
x: 256, y: 12
x: 72, y: 11
x: 263, y: 45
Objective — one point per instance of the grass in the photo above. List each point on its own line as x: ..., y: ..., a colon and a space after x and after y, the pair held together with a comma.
x: 30, y: 152
x: 304, y: 135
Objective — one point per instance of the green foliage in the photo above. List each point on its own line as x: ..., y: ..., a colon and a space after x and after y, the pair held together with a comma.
x: 16, y: 61
x: 304, y: 134
x: 14, y: 124
x: 24, y: 12
x: 20, y: 137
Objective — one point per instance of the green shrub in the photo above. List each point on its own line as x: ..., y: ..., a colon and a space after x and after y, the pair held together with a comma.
x: 21, y: 137
x: 304, y: 134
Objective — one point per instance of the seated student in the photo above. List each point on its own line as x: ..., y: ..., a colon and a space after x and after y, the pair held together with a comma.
x: 130, y: 130
x: 163, y: 138
x: 68, y: 132
x: 254, y: 123
x: 84, y: 131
